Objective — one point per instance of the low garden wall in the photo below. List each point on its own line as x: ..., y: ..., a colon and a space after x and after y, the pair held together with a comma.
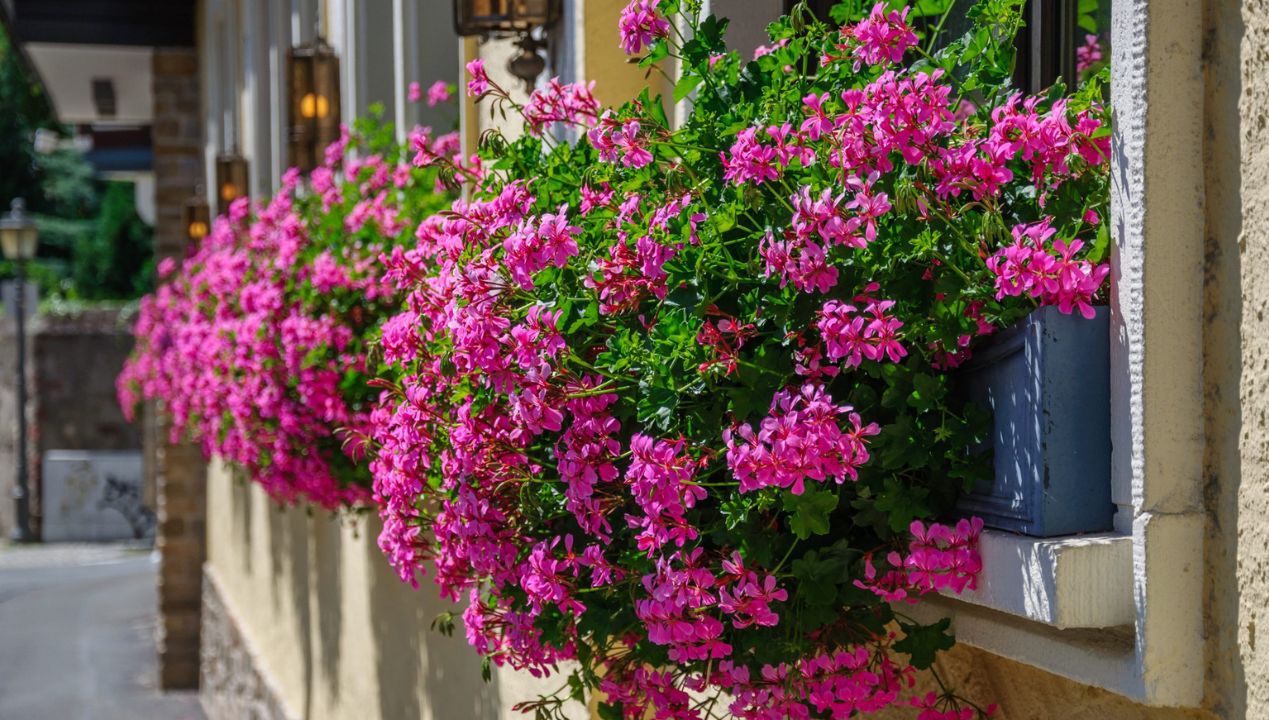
x: 303, y: 618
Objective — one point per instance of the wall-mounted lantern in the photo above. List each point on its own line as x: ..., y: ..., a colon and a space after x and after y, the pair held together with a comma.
x: 510, y: 18
x: 232, y: 181
x: 313, y: 73
x: 196, y: 217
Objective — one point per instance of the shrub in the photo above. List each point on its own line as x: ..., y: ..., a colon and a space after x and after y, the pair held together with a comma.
x: 258, y: 343
x: 673, y: 402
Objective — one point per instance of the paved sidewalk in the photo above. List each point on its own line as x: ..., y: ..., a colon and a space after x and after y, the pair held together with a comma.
x: 77, y: 627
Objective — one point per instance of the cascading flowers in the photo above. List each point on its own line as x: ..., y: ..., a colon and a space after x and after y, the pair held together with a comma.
x: 258, y: 342
x: 673, y: 402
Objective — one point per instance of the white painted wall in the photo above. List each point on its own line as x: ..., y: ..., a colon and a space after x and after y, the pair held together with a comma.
x: 383, y: 45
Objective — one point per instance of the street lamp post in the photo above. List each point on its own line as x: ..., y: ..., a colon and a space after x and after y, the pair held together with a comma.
x: 18, y: 241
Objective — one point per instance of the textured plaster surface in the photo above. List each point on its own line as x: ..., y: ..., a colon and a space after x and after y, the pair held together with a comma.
x: 329, y: 624
x: 1227, y: 155
x: 1022, y: 692
x: 1157, y: 198
x: 1250, y: 526
x: 1191, y: 222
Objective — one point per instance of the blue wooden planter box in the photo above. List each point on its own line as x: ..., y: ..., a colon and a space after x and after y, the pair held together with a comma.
x: 1047, y: 382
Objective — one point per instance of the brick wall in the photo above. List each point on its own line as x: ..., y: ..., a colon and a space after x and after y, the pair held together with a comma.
x: 179, y: 471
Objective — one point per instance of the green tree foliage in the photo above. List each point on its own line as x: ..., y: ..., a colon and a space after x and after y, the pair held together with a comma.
x: 116, y: 258
x: 23, y: 108
x: 93, y: 245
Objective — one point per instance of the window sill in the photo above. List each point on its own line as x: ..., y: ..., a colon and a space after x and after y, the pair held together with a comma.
x: 1065, y: 605
x: 1067, y: 583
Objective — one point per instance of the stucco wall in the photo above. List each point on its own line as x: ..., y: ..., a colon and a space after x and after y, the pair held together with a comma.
x: 335, y: 634
x: 1251, y: 528
x: 333, y: 630
x: 342, y: 637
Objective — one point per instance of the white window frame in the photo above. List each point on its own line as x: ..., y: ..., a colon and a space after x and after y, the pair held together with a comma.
x: 1049, y: 602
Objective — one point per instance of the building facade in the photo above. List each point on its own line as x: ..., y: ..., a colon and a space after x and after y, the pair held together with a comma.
x: 1156, y: 619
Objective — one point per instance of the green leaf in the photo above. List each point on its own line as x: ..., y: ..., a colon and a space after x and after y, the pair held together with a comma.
x: 686, y: 85
x: 656, y: 406
x: 1100, y: 245
x: 927, y: 392
x: 444, y: 624
x: 589, y: 317
x: 724, y: 218
x: 684, y: 296
x: 901, y: 504
x: 928, y: 8
x: 846, y: 11
x: 816, y: 582
x: 922, y: 643
x: 660, y: 50
x: 809, y: 511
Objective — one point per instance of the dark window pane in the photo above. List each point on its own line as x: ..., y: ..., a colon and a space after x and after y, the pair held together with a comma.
x: 819, y: 7
x: 1059, y: 38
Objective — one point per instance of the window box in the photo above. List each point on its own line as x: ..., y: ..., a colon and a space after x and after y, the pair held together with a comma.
x: 1046, y: 381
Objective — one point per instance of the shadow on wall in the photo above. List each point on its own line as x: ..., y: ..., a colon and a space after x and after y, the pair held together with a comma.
x: 289, y: 558
x: 325, y: 577
x: 240, y: 496
x: 412, y: 661
x: 327, y: 566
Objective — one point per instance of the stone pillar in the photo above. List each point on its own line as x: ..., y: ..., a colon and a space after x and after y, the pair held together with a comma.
x: 181, y: 541
x: 9, y: 424
x: 179, y: 471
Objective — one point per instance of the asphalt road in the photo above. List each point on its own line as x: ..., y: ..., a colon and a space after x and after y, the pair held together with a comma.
x: 77, y: 636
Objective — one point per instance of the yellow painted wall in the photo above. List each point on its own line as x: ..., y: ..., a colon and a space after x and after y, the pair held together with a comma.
x: 616, y: 80
x: 342, y: 638
x: 335, y: 631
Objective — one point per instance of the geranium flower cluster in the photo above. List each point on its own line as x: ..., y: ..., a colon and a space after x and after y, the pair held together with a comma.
x: 1088, y: 55
x: 641, y: 24
x: 1046, y: 269
x: 664, y: 400
x: 674, y: 402
x: 801, y: 439
x: 938, y: 558
x: 257, y: 343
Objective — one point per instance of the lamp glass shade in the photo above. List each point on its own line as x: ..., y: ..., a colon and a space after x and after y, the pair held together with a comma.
x: 196, y: 216
x: 19, y: 238
x: 313, y: 91
x: 493, y: 17
x: 232, y: 180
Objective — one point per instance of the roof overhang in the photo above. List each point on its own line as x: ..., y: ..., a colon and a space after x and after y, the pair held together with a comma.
x: 75, y: 76
x: 144, y: 23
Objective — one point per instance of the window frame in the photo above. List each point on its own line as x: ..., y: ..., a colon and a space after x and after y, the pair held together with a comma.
x: 1130, y: 620
x: 1155, y: 575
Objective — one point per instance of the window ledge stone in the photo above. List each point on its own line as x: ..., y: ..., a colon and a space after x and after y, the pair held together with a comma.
x: 1072, y: 582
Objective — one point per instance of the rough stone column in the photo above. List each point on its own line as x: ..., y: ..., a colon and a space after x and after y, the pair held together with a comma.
x: 180, y: 473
